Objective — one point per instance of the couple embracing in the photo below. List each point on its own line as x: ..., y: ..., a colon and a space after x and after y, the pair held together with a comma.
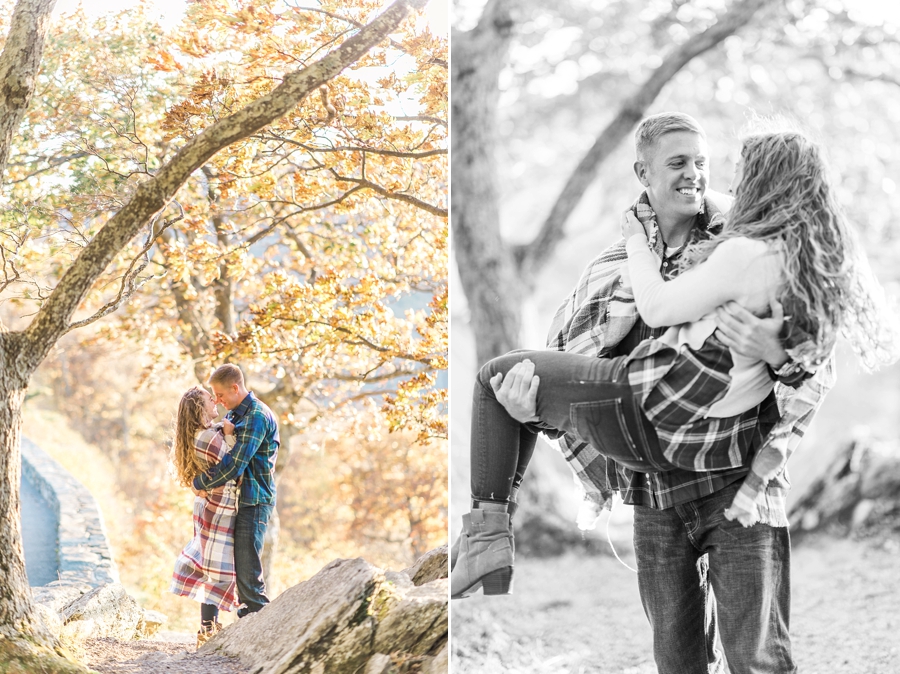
x: 230, y: 468
x: 660, y: 381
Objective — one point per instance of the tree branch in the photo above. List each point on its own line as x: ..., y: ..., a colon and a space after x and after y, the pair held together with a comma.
x: 129, y: 284
x: 51, y: 164
x: 19, y: 64
x: 350, y: 148
x: 398, y: 196
x: 152, y: 195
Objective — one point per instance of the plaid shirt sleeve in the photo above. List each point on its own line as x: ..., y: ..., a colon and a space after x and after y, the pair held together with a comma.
x: 798, y: 407
x: 595, y: 317
x: 248, y: 438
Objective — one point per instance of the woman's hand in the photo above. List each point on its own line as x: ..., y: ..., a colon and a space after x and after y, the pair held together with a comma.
x: 228, y: 427
x: 631, y: 225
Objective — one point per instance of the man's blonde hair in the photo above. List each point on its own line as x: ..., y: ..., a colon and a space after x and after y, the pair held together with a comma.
x: 652, y: 128
x: 227, y: 375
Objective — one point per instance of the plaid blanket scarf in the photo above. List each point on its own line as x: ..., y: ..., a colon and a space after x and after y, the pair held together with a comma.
x: 204, y: 570
x: 601, y: 312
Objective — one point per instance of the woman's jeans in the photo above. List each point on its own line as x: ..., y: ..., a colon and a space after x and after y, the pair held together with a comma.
x: 587, y: 396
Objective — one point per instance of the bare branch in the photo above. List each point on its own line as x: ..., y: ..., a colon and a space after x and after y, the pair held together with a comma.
x: 398, y: 196
x: 352, y: 148
x: 423, y: 118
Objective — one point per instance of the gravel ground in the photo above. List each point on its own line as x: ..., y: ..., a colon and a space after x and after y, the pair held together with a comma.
x: 172, y: 652
x: 582, y: 615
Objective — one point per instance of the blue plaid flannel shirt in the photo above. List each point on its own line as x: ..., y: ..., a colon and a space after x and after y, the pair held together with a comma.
x: 253, y: 456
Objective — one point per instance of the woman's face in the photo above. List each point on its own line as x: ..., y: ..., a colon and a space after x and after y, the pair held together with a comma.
x: 209, y: 406
x: 738, y: 176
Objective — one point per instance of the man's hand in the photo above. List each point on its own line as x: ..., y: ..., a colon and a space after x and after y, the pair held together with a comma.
x: 751, y: 336
x: 631, y: 225
x: 517, y: 392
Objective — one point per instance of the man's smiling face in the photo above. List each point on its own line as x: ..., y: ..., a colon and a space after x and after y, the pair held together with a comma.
x: 675, y: 173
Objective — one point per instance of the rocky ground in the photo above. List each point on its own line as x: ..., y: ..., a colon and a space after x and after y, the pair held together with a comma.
x: 167, y: 653
x: 581, y: 614
x: 349, y: 617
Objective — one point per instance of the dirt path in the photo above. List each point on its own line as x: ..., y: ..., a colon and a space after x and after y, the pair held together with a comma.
x: 576, y: 614
x: 174, y: 654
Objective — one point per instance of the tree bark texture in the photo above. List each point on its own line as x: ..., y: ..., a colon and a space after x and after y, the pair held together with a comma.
x: 22, y: 352
x: 533, y: 256
x: 485, y: 263
x: 19, y: 64
x: 15, y: 598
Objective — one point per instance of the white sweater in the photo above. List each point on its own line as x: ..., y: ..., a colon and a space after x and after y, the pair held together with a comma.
x: 748, y: 271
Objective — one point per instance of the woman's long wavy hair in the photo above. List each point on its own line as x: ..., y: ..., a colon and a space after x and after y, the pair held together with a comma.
x: 786, y: 197
x: 191, y: 418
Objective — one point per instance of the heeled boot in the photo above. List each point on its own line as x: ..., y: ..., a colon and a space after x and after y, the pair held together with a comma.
x: 207, y: 632
x: 485, y: 557
x: 510, y: 510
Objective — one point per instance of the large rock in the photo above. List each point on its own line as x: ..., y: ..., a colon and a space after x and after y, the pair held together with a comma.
x: 858, y: 492
x: 105, y: 611
x: 349, y: 617
x: 430, y: 566
x: 417, y: 624
x: 59, y: 594
x: 76, y: 611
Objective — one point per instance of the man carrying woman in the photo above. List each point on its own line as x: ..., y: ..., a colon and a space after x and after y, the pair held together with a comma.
x: 679, y: 421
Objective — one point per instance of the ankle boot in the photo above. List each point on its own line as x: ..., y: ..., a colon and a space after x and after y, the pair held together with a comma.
x: 454, y: 549
x: 207, y: 632
x: 485, y: 557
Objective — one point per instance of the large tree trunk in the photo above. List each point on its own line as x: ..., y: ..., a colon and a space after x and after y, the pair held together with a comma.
x: 19, y: 65
x: 26, y: 644
x: 15, y: 599
x: 485, y: 263
x: 23, y: 641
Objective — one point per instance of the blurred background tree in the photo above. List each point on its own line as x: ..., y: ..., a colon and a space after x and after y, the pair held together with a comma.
x: 556, y: 92
x: 313, y: 254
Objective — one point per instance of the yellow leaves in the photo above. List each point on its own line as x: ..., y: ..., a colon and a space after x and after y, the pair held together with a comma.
x: 327, y: 279
x: 200, y: 103
x: 264, y: 187
x: 164, y: 61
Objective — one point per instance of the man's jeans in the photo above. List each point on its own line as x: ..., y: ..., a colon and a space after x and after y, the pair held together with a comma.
x: 249, y: 531
x: 748, y: 572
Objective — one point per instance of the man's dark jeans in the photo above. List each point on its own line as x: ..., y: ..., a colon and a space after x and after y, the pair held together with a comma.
x: 249, y: 531
x: 748, y: 571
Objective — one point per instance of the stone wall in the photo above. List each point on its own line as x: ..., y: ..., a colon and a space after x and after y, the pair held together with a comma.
x: 87, y: 600
x: 84, y: 554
